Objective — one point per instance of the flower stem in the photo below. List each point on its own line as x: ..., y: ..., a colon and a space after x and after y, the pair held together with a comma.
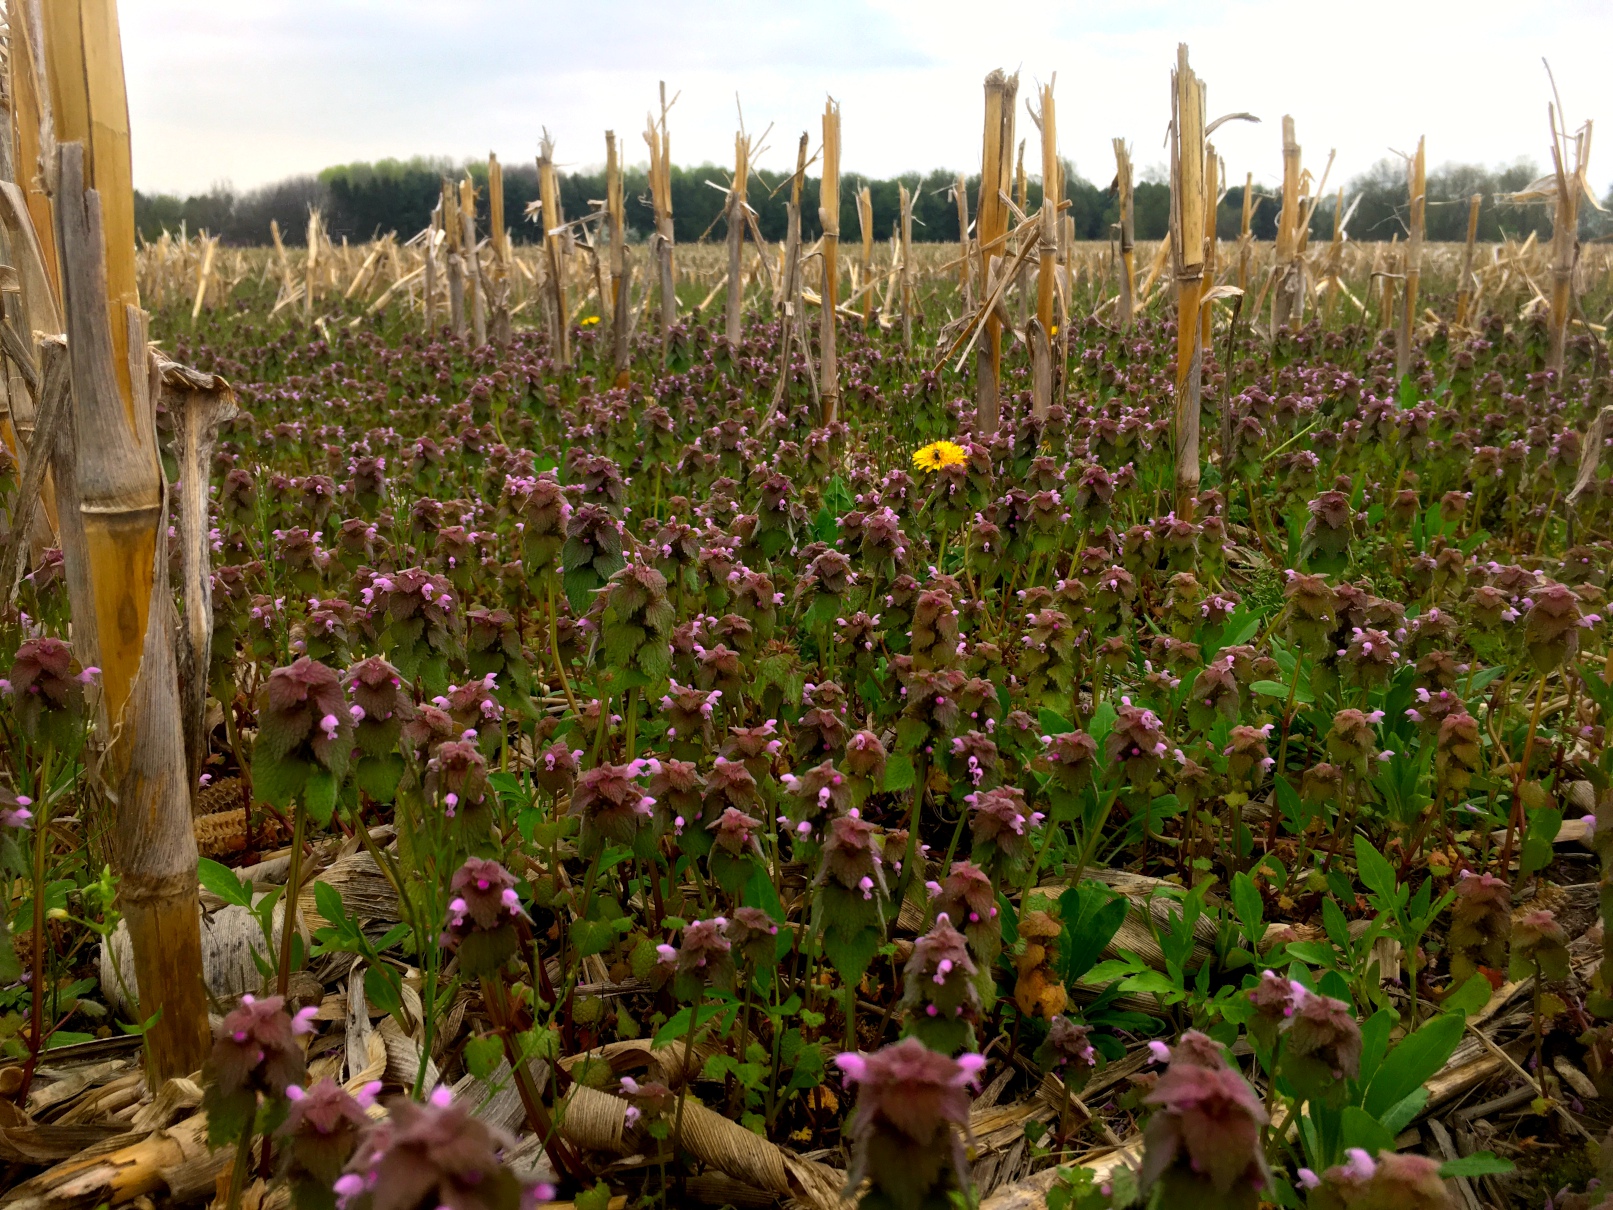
x: 288, y: 917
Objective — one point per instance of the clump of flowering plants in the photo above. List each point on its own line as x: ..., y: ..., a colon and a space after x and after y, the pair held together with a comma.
x: 653, y: 735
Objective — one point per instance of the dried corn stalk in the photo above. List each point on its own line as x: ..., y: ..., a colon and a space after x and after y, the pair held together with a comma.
x: 991, y: 230
x: 1464, y: 290
x: 1128, y: 269
x: 734, y: 210
x: 1416, y: 183
x: 121, y: 603
x: 1047, y: 248
x: 1187, y: 245
x: 905, y: 276
x: 498, y: 277
x: 1288, y: 299
x: 554, y: 234
x: 616, y: 216
x: 865, y: 227
x: 660, y: 144
x: 473, y: 279
x: 829, y: 217
x: 453, y: 253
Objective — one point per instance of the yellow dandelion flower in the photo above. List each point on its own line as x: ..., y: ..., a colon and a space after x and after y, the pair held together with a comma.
x: 939, y: 454
x: 589, y: 321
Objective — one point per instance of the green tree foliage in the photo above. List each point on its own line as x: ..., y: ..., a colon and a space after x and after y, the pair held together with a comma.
x: 364, y: 200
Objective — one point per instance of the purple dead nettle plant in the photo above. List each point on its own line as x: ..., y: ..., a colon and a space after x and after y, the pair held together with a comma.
x: 940, y: 992
x: 1202, y: 1147
x: 256, y: 1058
x: 433, y: 1153
x: 910, y: 1123
x: 484, y: 930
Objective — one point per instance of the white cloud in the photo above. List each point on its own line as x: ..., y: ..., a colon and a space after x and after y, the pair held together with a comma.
x: 252, y: 92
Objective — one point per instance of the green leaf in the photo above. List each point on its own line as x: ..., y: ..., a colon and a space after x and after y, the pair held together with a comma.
x: 677, y: 1025
x: 1151, y: 981
x: 1470, y: 998
x: 851, y: 953
x: 1053, y: 723
x: 482, y: 1056
x: 383, y: 989
x: 319, y: 795
x: 592, y: 936
x: 329, y: 902
x: 1247, y: 903
x: 223, y: 882
x: 760, y: 893
x: 1416, y: 1059
x: 1537, y: 852
x: 1376, y: 872
x: 1399, y: 1116
x: 1091, y: 915
x: 378, y: 776
x: 1480, y: 1163
x: 899, y: 772
x: 1361, y: 1129
x: 1103, y: 722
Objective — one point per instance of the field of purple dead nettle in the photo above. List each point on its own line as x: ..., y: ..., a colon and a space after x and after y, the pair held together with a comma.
x: 830, y: 761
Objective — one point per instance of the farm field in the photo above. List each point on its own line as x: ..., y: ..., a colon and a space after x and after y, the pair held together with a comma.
x: 1029, y: 723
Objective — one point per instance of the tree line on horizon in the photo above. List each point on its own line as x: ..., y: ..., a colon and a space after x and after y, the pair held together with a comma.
x: 362, y: 201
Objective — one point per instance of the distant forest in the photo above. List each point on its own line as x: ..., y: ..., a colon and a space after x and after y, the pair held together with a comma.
x: 362, y: 201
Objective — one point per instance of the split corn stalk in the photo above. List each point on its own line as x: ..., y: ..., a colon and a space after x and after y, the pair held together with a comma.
x: 1047, y: 249
x: 1187, y: 244
x: 454, y: 255
x: 498, y: 284
x: 554, y: 233
x: 991, y: 230
x: 126, y: 619
x: 1128, y: 270
x: 660, y: 144
x: 1464, y: 291
x: 1416, y: 184
x: 865, y: 227
x: 616, y: 216
x: 829, y: 218
x: 1288, y: 300
x: 735, y: 213
x: 473, y: 284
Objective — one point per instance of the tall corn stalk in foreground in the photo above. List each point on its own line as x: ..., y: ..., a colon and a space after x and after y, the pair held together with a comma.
x: 1564, y: 188
x: 124, y: 615
x: 960, y: 195
x: 1416, y: 183
x: 660, y: 144
x: 473, y: 277
x: 1464, y: 290
x: 34, y: 258
x: 991, y: 231
x: 554, y: 234
x: 1212, y: 195
x: 905, y: 271
x: 865, y: 228
x: 792, y: 306
x: 1187, y: 247
x: 429, y: 275
x: 735, y: 212
x: 1128, y: 229
x: 498, y: 278
x: 1288, y: 299
x: 829, y: 217
x: 453, y: 253
x: 1040, y: 329
x: 620, y: 282
x: 1245, y: 236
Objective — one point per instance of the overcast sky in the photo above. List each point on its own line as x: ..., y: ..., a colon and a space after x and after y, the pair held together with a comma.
x: 248, y: 91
